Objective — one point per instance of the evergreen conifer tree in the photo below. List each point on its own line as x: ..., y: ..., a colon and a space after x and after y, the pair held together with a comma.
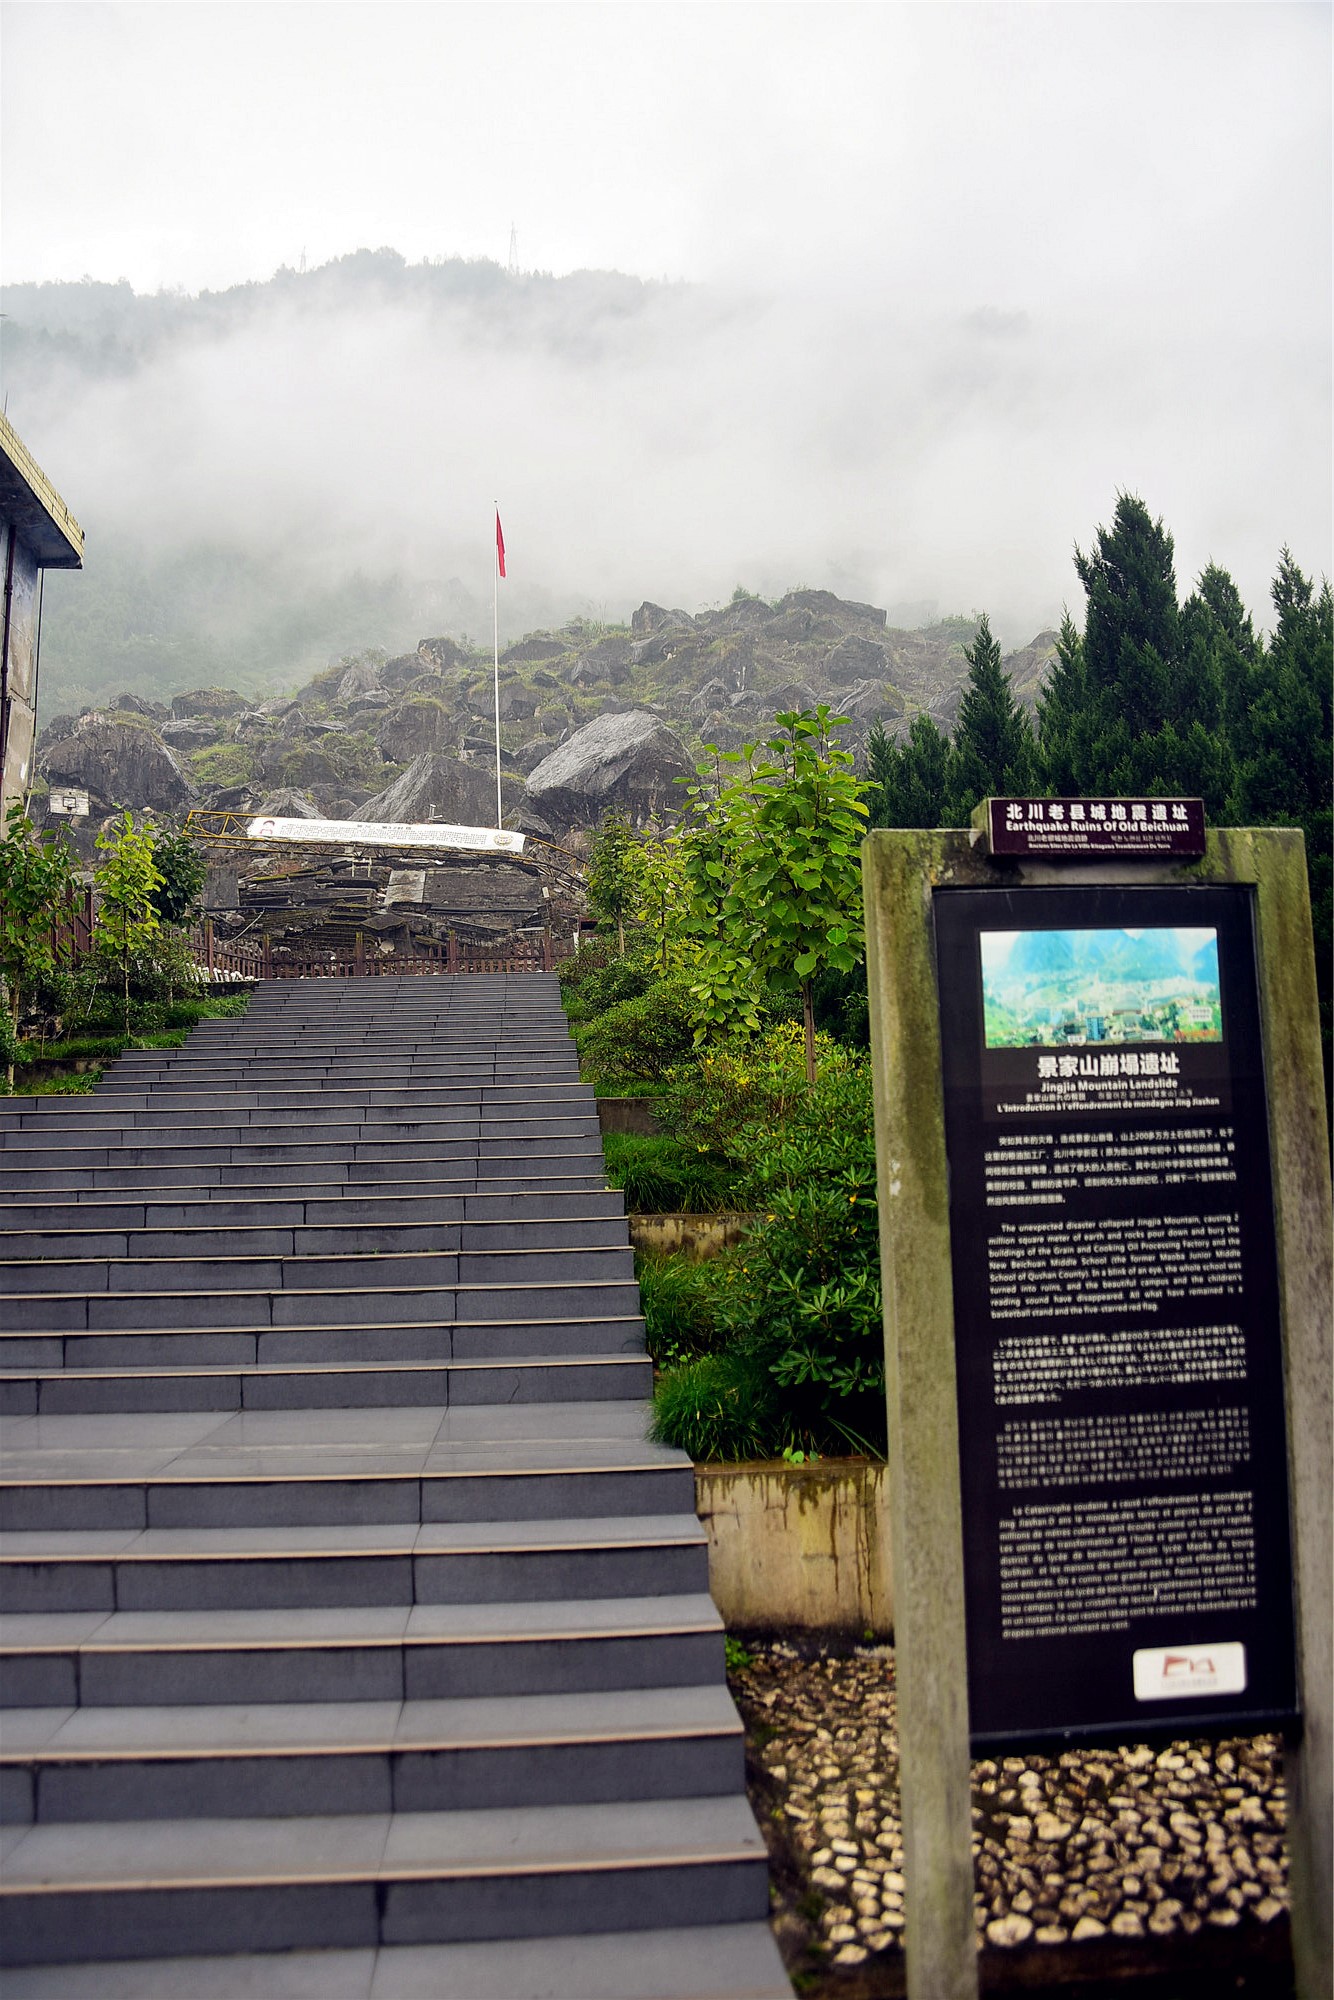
x: 908, y: 778
x: 992, y: 753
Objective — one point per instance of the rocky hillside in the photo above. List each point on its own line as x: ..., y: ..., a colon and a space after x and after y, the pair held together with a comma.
x: 591, y: 717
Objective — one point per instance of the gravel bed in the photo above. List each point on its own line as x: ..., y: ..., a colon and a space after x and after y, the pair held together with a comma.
x: 1160, y: 1845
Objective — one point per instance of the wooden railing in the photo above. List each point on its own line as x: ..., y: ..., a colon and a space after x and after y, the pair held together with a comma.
x: 228, y: 961
x: 259, y: 958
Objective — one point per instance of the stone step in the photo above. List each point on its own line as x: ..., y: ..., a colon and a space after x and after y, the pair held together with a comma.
x: 264, y: 1236
x: 166, y: 1266
x: 228, y: 1761
x: 170, y: 1349
x: 707, y: 1961
x: 535, y: 1173
x: 365, y: 1653
x: 216, y: 1491
x: 382, y: 1304
x: 393, y: 1563
x: 370, y: 1880
x: 287, y: 1208
x: 326, y: 1385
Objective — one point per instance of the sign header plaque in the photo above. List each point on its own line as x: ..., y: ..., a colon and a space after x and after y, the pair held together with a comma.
x: 1070, y: 829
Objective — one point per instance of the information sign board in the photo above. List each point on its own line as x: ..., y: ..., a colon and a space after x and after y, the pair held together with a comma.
x: 1070, y: 829
x: 1119, y: 1367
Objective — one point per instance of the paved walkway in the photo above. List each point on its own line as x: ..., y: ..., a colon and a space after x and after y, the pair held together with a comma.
x: 347, y: 1616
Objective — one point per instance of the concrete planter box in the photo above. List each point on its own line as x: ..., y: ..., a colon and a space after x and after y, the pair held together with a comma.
x: 693, y: 1237
x: 799, y: 1547
x: 628, y: 1114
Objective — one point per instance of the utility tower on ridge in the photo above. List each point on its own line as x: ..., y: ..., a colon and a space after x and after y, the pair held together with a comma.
x: 513, y: 266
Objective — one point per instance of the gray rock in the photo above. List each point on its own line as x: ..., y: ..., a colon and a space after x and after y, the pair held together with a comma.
x: 630, y: 761
x: 517, y: 703
x: 441, y: 654
x: 607, y: 661
x: 208, y: 701
x: 120, y: 764
x: 436, y: 788
x: 360, y: 678
x: 537, y: 646
x: 157, y: 711
x: 191, y: 735
x: 823, y: 603
x: 303, y: 768
x: 654, y: 618
x: 856, y: 658
x: 404, y: 667
x: 419, y: 727
x: 286, y: 803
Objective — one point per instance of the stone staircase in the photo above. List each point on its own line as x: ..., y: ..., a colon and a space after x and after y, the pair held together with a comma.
x: 354, y: 1641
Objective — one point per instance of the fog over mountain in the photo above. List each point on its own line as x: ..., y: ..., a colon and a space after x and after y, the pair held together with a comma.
x: 282, y: 471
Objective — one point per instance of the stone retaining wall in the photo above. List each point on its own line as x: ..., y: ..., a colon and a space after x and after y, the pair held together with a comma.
x: 799, y: 1547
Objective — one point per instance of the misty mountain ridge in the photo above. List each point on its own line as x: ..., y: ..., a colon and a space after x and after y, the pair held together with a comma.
x: 1039, y: 957
x: 288, y: 471
x: 371, y: 726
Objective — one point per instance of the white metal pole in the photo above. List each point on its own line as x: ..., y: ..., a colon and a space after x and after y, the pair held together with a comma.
x: 495, y: 639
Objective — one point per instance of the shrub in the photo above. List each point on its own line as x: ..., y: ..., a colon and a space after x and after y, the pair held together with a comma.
x: 644, y: 1037
x: 720, y: 1406
x: 607, y: 986
x: 658, y: 1173
x: 684, y: 1306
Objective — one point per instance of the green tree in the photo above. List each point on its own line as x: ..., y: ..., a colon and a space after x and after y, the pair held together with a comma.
x: 612, y: 878
x: 906, y: 781
x: 992, y: 751
x: 34, y: 877
x: 781, y: 881
x: 181, y: 868
x: 126, y: 885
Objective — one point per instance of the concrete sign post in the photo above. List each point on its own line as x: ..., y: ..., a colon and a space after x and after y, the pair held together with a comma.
x: 1104, y: 1203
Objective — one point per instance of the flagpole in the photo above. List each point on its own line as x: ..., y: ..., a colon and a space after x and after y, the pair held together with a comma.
x: 495, y: 644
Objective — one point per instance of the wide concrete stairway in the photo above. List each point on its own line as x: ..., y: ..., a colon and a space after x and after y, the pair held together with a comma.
x: 355, y: 1643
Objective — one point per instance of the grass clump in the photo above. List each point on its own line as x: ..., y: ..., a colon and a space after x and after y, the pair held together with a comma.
x: 719, y: 1406
x: 658, y: 1173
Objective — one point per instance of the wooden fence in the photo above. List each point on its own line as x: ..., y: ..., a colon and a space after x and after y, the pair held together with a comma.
x: 224, y: 960
x: 233, y: 961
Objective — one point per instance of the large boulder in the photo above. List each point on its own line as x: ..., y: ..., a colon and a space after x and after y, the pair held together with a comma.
x: 436, y: 788
x: 194, y: 734
x: 208, y: 701
x: 136, y: 705
x: 419, y: 727
x: 120, y: 764
x: 286, y: 804
x: 629, y: 761
x: 360, y: 678
x: 824, y: 604
x: 856, y: 658
x: 440, y: 654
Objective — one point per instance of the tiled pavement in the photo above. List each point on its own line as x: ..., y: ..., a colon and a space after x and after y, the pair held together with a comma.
x: 354, y: 1643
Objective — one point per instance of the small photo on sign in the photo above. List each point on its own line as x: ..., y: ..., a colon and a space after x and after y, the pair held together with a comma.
x: 1069, y: 989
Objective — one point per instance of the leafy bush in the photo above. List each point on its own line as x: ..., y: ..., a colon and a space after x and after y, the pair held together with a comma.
x: 718, y: 1407
x: 657, y: 1173
x: 608, y: 985
x: 684, y: 1306
x: 643, y: 1037
x: 801, y: 1298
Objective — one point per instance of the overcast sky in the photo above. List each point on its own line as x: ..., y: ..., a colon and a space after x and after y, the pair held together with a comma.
x: 989, y: 263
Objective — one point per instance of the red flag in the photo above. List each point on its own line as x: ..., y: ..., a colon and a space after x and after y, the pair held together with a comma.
x: 500, y: 544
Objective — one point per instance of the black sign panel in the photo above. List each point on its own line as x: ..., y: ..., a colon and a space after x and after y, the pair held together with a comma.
x: 1075, y: 829
x: 1121, y: 1413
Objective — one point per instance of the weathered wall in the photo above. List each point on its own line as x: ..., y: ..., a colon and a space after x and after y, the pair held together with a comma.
x: 802, y: 1548
x: 20, y: 614
x: 693, y: 1237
